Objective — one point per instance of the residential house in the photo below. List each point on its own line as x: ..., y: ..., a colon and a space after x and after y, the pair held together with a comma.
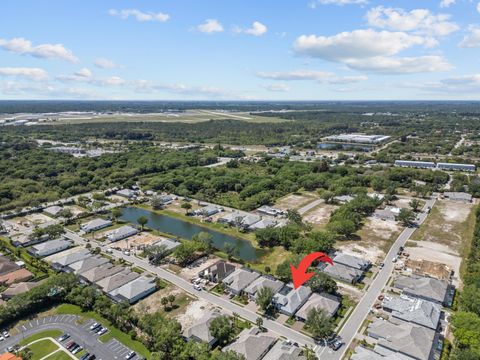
x: 95, y: 225
x: 96, y: 274
x: 86, y: 264
x: 415, y: 164
x: 134, y: 290
x: 249, y: 220
x: 49, y: 247
x: 110, y: 283
x: 458, y: 196
x: 414, y: 310
x: 261, y: 282
x: 252, y: 343
x: 351, y: 261
x: 217, y: 272
x: 342, y: 272
x: 127, y: 193
x: 423, y: 287
x: 237, y: 281
x: 326, y: 302
x: 268, y: 210
x: 208, y: 210
x: 53, y: 210
x: 362, y: 353
x: 15, y: 276
x: 234, y: 218
x: 169, y: 244
x: 19, y: 288
x: 288, y: 300
x: 263, y: 224
x: 121, y: 233
x: 200, y: 330
x: 7, y: 265
x: 402, y: 337
x: 78, y: 254
x: 166, y: 199
x: 284, y: 350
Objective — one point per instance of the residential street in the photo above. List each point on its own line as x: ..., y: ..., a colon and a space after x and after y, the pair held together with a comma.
x: 356, y: 319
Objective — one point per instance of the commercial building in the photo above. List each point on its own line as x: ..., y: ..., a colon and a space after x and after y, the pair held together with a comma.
x: 415, y: 164
x: 458, y: 167
x: 358, y: 138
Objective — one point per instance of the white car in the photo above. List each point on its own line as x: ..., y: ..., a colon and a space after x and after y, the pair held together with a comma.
x: 6, y: 334
x: 197, y: 287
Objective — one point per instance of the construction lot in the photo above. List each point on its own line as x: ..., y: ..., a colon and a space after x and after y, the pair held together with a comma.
x: 295, y: 201
x: 319, y: 215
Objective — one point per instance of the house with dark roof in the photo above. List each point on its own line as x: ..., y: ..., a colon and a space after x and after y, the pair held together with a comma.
x: 252, y: 344
x: 7, y: 265
x: 423, y: 287
x: 200, y: 330
x: 217, y: 272
x: 19, y: 288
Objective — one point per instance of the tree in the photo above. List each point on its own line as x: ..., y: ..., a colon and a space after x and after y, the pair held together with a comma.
x: 294, y: 216
x: 406, y: 216
x: 205, y: 239
x: 164, y: 302
x: 470, y: 299
x: 327, y: 196
x: 415, y: 204
x: 342, y: 227
x: 319, y: 324
x: 171, y: 299
x: 186, y: 206
x: 26, y: 354
x: 321, y: 282
x: 231, y: 250
x: 155, y: 253
x: 156, y: 202
x: 142, y: 221
x: 222, y: 329
x: 264, y: 298
x: 116, y: 213
x: 186, y: 252
x: 259, y: 322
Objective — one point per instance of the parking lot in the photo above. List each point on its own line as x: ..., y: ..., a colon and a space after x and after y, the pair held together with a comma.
x: 79, y: 332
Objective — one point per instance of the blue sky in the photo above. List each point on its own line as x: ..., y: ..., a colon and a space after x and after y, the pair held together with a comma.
x: 240, y: 49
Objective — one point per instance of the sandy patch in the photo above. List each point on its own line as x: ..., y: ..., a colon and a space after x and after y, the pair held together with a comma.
x: 194, y: 312
x: 293, y: 201
x: 38, y: 218
x: 353, y: 292
x: 371, y: 253
x: 454, y: 211
x: 320, y: 215
x: 152, y: 303
x: 431, y: 251
x: 137, y: 241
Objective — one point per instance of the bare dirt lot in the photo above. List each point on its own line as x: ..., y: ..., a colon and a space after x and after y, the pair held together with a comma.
x: 319, y: 215
x: 294, y: 201
x: 38, y: 218
x: 138, y: 241
x: 375, y: 238
x: 194, y: 312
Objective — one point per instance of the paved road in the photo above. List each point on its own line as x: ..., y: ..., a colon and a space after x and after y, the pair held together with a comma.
x: 309, y: 206
x: 81, y: 334
x: 361, y: 311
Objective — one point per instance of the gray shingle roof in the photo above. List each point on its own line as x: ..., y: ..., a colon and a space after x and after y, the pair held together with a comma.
x: 406, y: 338
x: 424, y: 287
x: 134, y: 289
x: 115, y: 281
x: 417, y: 311
x: 343, y: 272
x: 350, y: 260
x: 264, y: 281
x: 83, y: 265
x: 289, y: 302
x: 284, y: 350
x: 240, y: 279
x: 328, y: 303
x: 200, y: 331
x: 252, y: 344
x: 98, y: 273
x: 73, y: 257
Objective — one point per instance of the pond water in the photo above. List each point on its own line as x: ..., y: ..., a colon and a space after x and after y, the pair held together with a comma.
x: 186, y: 230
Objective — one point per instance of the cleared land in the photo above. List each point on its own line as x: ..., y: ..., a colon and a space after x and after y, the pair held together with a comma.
x: 190, y: 116
x: 295, y: 201
x: 319, y: 215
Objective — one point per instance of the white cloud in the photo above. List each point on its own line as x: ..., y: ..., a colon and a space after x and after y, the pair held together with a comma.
x: 36, y: 74
x: 447, y: 3
x: 313, y: 4
x: 139, y: 15
x: 84, y: 75
x: 348, y: 79
x: 472, y: 40
x: 357, y: 44
x: 469, y: 84
x: 276, y: 87
x: 49, y: 51
x: 478, y: 7
x: 104, y: 63
x: 257, y: 29
x: 420, y: 21
x: 210, y: 26
x: 400, y: 65
x: 296, y: 75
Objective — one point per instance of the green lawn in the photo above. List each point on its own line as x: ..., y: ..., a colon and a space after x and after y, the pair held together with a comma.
x: 124, y: 338
x: 59, y: 356
x: 42, y: 348
x: 40, y: 335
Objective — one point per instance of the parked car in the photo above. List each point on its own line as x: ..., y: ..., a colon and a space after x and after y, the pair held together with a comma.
x: 85, y: 356
x: 197, y: 287
x: 6, y: 334
x: 77, y: 350
x: 93, y: 357
x: 102, y: 331
x: 130, y: 355
x: 64, y: 337
x: 336, y: 344
x: 94, y: 326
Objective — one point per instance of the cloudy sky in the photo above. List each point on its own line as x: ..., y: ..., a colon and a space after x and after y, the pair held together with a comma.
x: 240, y: 49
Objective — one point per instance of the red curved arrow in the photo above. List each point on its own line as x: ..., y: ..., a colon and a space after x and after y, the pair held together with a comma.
x: 300, y: 275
